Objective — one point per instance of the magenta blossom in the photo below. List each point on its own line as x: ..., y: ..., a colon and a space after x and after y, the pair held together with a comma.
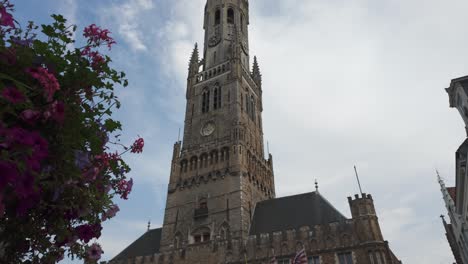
x: 125, y: 187
x: 95, y: 252
x: 97, y: 36
x: 137, y: 146
x: 13, y: 95
x: 58, y: 112
x: 6, y: 19
x: 88, y: 232
x: 111, y: 212
x: 30, y: 116
x: 46, y: 79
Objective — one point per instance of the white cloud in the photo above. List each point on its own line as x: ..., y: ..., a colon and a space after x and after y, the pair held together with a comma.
x: 127, y: 16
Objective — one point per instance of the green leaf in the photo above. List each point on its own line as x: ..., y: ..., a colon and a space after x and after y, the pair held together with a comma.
x: 112, y: 125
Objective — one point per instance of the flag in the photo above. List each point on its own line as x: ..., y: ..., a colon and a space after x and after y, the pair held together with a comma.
x: 300, y: 257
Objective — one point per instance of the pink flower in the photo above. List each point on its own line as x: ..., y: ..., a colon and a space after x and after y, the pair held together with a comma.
x: 137, y: 146
x: 6, y: 19
x: 111, y: 212
x: 58, y: 111
x: 40, y: 146
x: 30, y: 116
x: 88, y: 232
x: 47, y: 81
x: 91, y: 174
x: 13, y: 95
x: 96, y: 36
x: 125, y: 187
x: 95, y: 252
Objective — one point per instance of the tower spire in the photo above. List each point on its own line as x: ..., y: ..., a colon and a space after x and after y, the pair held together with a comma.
x: 256, y: 74
x: 194, y: 61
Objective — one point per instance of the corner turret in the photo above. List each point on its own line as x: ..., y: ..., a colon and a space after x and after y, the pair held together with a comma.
x: 365, y: 217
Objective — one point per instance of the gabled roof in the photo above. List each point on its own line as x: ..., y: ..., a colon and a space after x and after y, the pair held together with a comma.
x: 292, y: 212
x: 146, y: 245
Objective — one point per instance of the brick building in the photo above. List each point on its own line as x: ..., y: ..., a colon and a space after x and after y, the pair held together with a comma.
x: 221, y: 205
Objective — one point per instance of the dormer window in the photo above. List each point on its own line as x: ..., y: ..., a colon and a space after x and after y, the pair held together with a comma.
x: 218, y: 17
x: 230, y: 16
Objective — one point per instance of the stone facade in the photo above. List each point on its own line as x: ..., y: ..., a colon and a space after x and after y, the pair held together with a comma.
x: 219, y: 174
x: 456, y: 198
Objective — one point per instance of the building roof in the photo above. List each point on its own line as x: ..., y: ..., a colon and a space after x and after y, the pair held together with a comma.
x: 463, y: 149
x: 463, y: 82
x: 292, y: 212
x: 453, y: 193
x: 146, y: 245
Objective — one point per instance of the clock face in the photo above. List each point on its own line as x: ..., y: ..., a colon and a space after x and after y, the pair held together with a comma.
x: 208, y: 129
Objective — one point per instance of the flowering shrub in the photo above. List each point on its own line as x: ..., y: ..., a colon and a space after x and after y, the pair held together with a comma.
x: 60, y: 165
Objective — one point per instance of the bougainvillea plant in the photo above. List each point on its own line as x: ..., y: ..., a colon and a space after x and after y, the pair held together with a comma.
x: 61, y: 163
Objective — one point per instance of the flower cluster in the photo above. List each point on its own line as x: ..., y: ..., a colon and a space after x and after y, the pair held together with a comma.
x: 59, y: 172
x: 111, y: 212
x: 124, y: 188
x: 137, y: 146
x: 12, y: 95
x: 94, y: 252
x: 88, y: 232
x: 46, y: 80
x: 96, y: 36
x: 95, y: 58
x: 18, y: 174
x: 6, y: 19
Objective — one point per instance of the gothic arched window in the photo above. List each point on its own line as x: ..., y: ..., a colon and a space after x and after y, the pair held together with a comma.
x: 206, y: 101
x: 218, y: 17
x: 217, y: 98
x: 230, y: 16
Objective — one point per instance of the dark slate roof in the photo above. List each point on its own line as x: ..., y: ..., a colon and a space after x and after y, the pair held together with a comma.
x: 293, y: 212
x: 146, y: 245
x: 463, y: 81
x: 463, y: 149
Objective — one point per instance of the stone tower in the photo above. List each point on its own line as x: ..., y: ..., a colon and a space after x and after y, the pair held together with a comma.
x: 219, y: 171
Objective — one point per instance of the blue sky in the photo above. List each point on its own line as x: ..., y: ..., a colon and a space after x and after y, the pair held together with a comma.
x: 345, y: 82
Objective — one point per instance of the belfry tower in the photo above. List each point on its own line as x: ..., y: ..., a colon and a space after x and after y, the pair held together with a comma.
x: 219, y: 171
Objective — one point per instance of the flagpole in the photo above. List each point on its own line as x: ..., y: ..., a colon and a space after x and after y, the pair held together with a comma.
x: 357, y: 177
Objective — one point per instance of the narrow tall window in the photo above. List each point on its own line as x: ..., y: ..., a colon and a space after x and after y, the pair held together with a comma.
x: 230, y: 16
x: 217, y: 98
x: 205, y: 101
x: 218, y: 17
